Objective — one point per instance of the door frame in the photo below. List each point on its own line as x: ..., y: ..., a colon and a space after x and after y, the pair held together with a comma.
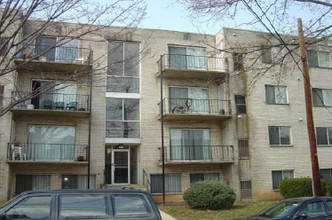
x: 114, y: 150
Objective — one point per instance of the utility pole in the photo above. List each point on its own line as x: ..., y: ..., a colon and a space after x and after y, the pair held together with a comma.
x: 309, y: 114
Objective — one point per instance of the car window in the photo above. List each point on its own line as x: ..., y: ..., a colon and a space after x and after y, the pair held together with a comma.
x: 329, y: 205
x: 313, y: 209
x: 83, y: 206
x: 36, y: 207
x: 130, y: 204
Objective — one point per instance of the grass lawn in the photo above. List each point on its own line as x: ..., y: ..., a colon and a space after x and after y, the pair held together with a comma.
x: 183, y: 212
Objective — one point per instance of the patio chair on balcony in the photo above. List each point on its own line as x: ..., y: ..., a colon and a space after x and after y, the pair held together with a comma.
x: 17, y: 152
x: 47, y: 104
x: 59, y: 105
x: 72, y: 106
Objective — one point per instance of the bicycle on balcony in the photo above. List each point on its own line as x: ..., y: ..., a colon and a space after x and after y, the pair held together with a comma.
x: 183, y: 109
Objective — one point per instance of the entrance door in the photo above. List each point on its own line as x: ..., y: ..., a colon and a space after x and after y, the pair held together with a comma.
x: 120, y: 168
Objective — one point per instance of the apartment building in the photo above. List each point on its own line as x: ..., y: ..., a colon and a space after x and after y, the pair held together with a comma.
x: 112, y: 110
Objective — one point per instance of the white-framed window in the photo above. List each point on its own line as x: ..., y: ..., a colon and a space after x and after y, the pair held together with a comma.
x: 172, y: 183
x: 122, y: 118
x: 182, y: 57
x: 279, y: 135
x: 276, y: 94
x: 324, y: 136
x: 270, y: 54
x: 319, y: 59
x: 278, y: 175
x: 123, y: 68
x: 195, y: 177
x: 322, y: 97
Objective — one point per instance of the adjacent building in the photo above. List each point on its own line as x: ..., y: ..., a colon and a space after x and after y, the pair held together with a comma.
x: 110, y: 110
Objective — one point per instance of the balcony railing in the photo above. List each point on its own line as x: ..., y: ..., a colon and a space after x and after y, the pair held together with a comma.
x: 57, y: 54
x: 199, y: 153
x: 188, y: 106
x: 46, y: 152
x: 122, y: 129
x: 192, y: 62
x: 51, y: 101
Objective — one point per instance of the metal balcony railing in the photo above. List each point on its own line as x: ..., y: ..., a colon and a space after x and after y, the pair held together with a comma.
x: 46, y: 152
x: 196, y: 106
x: 192, y: 62
x: 199, y: 153
x: 51, y: 101
x: 55, y: 53
x: 122, y: 129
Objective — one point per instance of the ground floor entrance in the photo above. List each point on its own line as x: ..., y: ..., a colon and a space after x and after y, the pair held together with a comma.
x: 121, y: 164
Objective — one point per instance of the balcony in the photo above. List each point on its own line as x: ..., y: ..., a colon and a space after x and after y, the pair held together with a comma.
x: 51, y: 104
x: 192, y: 67
x: 199, y: 154
x: 195, y: 109
x: 54, y: 58
x: 47, y: 153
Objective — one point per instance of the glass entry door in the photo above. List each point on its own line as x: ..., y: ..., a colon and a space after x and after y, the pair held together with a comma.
x: 120, y: 166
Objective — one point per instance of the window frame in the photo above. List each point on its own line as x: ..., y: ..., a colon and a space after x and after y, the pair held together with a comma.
x: 315, y: 61
x: 283, y: 173
x: 319, y: 99
x: 270, y: 53
x: 3, y: 46
x: 240, y: 104
x: 274, y: 100
x: 170, y: 187
x: 207, y: 176
x: 2, y: 95
x: 328, y: 137
x: 187, y: 58
x: 238, y: 62
x: 280, y: 136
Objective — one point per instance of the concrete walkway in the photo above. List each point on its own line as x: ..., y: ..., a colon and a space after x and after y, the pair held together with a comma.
x: 166, y: 216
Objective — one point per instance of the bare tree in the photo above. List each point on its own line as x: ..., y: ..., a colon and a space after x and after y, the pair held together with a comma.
x: 22, y: 22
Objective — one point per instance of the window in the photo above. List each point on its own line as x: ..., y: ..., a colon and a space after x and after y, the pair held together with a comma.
x: 192, y: 99
x: 32, y: 182
x: 324, y: 136
x: 270, y: 54
x: 172, y: 183
x: 195, y: 177
x: 319, y: 59
x: 122, y: 118
x: 51, y: 143
x: 278, y: 175
x: 245, y: 186
x: 190, y: 144
x: 57, y: 49
x: 326, y: 174
x: 82, y: 206
x: 238, y: 62
x: 78, y: 182
x: 187, y: 57
x: 130, y: 205
x: 243, y: 148
x: 3, y: 45
x: 322, y: 97
x: 2, y: 89
x: 34, y: 207
x: 276, y: 94
x: 123, y: 67
x: 279, y: 135
x: 240, y: 104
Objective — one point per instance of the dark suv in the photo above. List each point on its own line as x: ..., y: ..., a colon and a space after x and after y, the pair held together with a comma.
x: 81, y: 204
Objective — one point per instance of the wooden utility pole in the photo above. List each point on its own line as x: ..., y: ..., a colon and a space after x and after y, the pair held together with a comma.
x: 309, y: 114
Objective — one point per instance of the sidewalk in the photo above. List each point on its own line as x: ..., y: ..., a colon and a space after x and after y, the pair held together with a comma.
x: 166, y: 216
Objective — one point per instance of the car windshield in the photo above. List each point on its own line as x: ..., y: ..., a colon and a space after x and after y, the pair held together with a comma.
x: 279, y: 210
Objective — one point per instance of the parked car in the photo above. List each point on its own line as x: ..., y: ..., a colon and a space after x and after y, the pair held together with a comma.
x: 82, y: 204
x: 298, y: 208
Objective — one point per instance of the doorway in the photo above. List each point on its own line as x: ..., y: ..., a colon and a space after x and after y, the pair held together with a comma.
x: 120, y: 169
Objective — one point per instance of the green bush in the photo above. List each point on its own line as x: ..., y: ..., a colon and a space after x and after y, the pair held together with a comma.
x: 329, y: 188
x: 299, y: 187
x: 209, y: 195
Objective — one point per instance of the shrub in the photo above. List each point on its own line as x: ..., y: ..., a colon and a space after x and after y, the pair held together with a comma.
x: 209, y: 195
x: 299, y: 187
x: 329, y: 188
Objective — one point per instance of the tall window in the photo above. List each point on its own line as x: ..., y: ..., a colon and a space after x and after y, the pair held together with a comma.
x: 276, y: 94
x: 279, y: 135
x: 246, y: 189
x: 51, y: 143
x: 32, y: 182
x: 319, y: 59
x: 238, y: 62
x: 122, y: 118
x: 2, y: 89
x: 243, y: 148
x: 187, y: 57
x: 57, y: 49
x: 195, y: 177
x: 172, y: 183
x: 190, y: 144
x: 278, y: 175
x: 324, y: 136
x: 123, y: 67
x: 3, y: 45
x: 193, y: 99
x: 240, y: 103
x: 322, y: 97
